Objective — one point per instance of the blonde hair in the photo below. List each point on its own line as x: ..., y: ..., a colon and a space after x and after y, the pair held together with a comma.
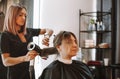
x: 10, y: 18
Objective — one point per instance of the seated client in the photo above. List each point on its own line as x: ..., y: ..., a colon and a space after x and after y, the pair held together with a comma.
x: 64, y: 67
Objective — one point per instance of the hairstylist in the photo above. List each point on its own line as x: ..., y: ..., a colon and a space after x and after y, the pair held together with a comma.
x: 14, y: 41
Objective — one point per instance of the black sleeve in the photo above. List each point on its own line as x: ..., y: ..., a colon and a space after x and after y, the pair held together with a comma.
x: 2, y: 67
x: 34, y: 32
x: 5, y: 45
x: 0, y: 43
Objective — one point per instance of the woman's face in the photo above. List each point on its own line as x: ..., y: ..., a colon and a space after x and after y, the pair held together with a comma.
x: 21, y: 17
x: 68, y: 48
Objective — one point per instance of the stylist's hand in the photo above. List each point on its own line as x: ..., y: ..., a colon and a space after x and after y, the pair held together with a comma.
x: 45, y: 41
x: 30, y: 55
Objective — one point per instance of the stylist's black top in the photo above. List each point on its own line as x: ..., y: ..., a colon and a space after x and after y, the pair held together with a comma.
x: 59, y: 70
x: 15, y: 47
x: 3, y: 69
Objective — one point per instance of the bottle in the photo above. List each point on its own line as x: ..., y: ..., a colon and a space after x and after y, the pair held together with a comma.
x: 90, y: 27
x: 98, y: 26
x: 93, y: 27
x: 103, y: 27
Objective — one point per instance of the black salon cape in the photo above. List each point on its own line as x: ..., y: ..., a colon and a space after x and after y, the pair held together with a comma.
x: 59, y: 70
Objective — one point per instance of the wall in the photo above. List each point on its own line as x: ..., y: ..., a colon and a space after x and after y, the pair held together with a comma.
x: 63, y: 14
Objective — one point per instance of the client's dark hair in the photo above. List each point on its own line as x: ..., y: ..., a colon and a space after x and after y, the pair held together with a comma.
x: 61, y: 36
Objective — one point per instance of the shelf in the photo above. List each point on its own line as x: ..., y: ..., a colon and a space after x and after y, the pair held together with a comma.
x: 92, y: 14
x: 94, y: 48
x: 115, y: 66
x: 99, y: 35
x: 112, y: 66
x: 100, y: 31
x: 86, y: 31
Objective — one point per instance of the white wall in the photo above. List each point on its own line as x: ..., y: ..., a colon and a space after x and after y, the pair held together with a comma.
x: 61, y: 15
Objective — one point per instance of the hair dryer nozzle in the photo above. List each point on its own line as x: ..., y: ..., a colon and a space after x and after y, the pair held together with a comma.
x: 33, y: 46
